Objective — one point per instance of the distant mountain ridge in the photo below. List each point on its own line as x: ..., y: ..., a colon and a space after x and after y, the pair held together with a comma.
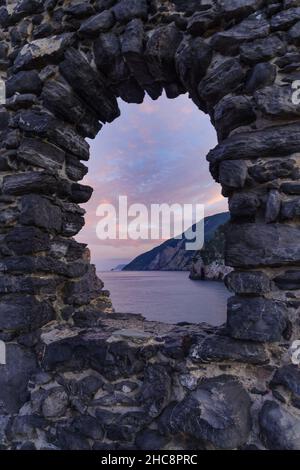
x: 172, y: 255
x: 119, y: 267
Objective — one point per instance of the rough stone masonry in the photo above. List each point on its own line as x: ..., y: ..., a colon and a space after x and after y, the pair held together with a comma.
x: 78, y: 375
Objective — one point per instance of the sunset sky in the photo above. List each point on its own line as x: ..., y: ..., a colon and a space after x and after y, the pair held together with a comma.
x: 154, y: 153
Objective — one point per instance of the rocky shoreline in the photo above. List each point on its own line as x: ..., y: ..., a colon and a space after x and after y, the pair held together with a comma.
x: 215, y: 271
x: 74, y: 379
x: 172, y: 255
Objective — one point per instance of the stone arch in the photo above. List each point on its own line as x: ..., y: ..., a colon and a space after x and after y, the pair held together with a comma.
x: 64, y: 63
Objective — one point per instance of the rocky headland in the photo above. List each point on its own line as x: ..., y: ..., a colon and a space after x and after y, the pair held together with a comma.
x: 172, y: 255
x: 74, y: 379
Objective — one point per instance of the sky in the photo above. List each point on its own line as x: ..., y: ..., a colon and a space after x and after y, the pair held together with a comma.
x: 154, y: 153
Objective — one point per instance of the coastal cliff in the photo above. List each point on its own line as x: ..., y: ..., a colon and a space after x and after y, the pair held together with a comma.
x: 209, y: 263
x: 171, y: 255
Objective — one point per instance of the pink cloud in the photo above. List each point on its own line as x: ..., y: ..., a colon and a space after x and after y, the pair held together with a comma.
x: 154, y: 153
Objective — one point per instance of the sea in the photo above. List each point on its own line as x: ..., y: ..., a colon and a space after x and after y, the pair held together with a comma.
x: 167, y: 296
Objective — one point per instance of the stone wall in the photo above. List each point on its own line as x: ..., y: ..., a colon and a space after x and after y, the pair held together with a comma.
x: 77, y: 374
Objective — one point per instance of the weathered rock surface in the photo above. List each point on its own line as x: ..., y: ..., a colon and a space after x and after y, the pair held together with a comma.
x: 24, y: 313
x: 24, y: 82
x: 55, y: 404
x: 42, y: 154
x: 217, y: 412
x: 228, y: 42
x: 40, y: 212
x: 232, y: 112
x: 203, y: 20
x: 127, y: 9
x: 248, y: 283
x: 160, y: 52
x: 290, y: 209
x: 214, y: 271
x: 212, y: 90
x: 285, y: 19
x: 280, y: 430
x: 156, y: 390
x: 291, y: 188
x: 273, y: 206
x: 289, y: 377
x: 262, y: 75
x: 277, y: 101
x: 232, y: 174
x: 97, y: 24
x: 219, y: 348
x: 16, y: 377
x: 271, y: 170
x: 260, y: 143
x: 255, y: 245
x: 42, y: 51
x: 289, y: 280
x: 244, y: 204
x: 256, y: 319
x: 192, y: 57
x: 84, y: 377
x: 89, y: 86
x: 263, y: 49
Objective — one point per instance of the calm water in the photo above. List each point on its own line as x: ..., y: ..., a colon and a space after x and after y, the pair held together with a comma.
x: 170, y: 297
